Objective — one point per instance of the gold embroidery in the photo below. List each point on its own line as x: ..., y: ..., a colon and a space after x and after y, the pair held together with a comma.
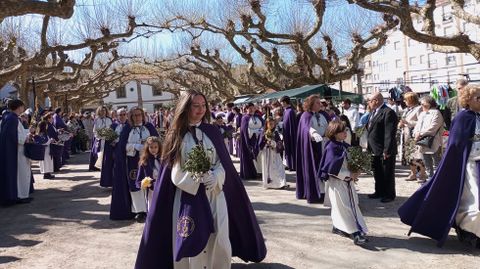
x: 185, y: 226
x: 133, y: 174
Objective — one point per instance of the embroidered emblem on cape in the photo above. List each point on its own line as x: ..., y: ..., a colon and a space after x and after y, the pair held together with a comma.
x: 133, y: 174
x: 185, y: 226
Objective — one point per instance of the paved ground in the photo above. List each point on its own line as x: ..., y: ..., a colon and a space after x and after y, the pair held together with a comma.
x: 67, y: 226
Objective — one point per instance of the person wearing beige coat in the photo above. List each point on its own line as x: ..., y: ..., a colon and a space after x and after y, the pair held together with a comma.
x: 407, y: 123
x: 430, y: 122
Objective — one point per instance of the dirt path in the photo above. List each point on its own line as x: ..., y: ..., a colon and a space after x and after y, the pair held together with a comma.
x: 67, y: 226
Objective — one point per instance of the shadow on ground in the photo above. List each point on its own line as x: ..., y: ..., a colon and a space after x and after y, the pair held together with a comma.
x: 260, y: 266
x: 420, y: 245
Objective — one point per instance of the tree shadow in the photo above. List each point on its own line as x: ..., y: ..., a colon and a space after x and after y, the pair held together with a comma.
x: 260, y: 266
x: 420, y: 245
x: 8, y: 259
x: 291, y: 209
x: 375, y: 208
x: 7, y: 241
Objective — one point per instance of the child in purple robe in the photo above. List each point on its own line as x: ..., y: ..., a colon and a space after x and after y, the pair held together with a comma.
x: 149, y: 167
x: 341, y: 195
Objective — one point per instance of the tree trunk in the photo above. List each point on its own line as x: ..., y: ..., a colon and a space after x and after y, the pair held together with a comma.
x: 139, y: 93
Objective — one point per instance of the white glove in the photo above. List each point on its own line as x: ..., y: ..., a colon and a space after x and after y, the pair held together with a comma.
x: 210, y: 181
x: 317, y: 138
x: 138, y: 147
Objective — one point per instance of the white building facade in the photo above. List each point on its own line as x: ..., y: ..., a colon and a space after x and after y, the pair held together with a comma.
x: 404, y: 61
x: 139, y: 93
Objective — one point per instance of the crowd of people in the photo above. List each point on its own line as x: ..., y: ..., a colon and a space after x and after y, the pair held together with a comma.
x: 202, y: 219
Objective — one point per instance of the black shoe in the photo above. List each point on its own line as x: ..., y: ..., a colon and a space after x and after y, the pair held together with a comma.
x: 374, y: 196
x: 48, y: 176
x: 140, y: 217
x: 285, y: 187
x: 340, y: 232
x: 24, y: 200
x: 359, y: 239
x: 387, y: 200
x: 94, y: 169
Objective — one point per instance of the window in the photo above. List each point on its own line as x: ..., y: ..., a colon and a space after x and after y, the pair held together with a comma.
x: 411, y: 42
x: 412, y: 61
x: 413, y: 79
x: 424, y: 78
x: 422, y: 59
x: 396, y: 45
x: 367, y: 64
x: 448, y: 31
x: 398, y: 63
x: 121, y: 92
x: 450, y: 60
x: 156, y: 91
x: 447, y: 17
x: 157, y: 107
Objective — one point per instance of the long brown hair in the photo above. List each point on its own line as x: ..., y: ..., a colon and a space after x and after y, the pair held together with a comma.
x: 145, y: 155
x: 179, y: 127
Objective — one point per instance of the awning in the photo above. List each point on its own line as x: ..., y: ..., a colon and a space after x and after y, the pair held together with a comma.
x: 323, y: 90
x: 241, y: 100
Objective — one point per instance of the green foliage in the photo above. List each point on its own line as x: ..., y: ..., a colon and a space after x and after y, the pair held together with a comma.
x: 358, y: 160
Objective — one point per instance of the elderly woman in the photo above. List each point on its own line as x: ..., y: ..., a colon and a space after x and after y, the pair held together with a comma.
x: 407, y: 123
x: 451, y: 198
x: 430, y: 123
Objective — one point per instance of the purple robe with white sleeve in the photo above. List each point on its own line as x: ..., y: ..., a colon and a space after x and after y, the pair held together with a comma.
x: 431, y: 210
x: 156, y: 247
x: 248, y: 150
x: 308, y: 161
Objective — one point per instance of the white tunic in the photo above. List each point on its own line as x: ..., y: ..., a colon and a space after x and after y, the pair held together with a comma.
x: 273, y: 173
x: 343, y: 199
x: 217, y: 253
x: 46, y: 166
x: 318, y: 126
x: 255, y: 127
x: 24, y: 172
x: 101, y: 123
x: 136, y: 138
x: 468, y: 214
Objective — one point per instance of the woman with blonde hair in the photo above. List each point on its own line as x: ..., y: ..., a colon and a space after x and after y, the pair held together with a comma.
x: 131, y: 143
x: 310, y: 138
x: 451, y: 197
x: 407, y: 123
x: 198, y: 222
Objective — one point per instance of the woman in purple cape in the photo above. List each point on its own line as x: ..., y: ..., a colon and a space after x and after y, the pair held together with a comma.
x: 131, y: 142
x: 451, y: 197
x: 198, y: 223
x: 15, y: 175
x: 310, y: 139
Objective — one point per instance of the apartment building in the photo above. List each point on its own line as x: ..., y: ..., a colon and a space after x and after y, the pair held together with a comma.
x: 404, y: 61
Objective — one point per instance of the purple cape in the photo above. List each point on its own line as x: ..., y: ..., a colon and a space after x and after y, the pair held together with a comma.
x: 308, y: 160
x: 245, y: 235
x: 145, y: 171
x: 58, y: 122
x: 8, y: 159
x: 332, y: 159
x: 290, y: 126
x: 236, y: 142
x: 248, y: 150
x: 106, y: 174
x: 431, y: 210
x: 121, y: 204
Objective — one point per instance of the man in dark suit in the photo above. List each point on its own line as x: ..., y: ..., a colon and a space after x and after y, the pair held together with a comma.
x: 382, y: 129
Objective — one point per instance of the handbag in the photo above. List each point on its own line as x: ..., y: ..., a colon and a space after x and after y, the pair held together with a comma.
x: 425, y: 141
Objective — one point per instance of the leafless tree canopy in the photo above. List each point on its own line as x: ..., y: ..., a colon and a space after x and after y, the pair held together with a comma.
x: 81, y: 50
x: 409, y: 12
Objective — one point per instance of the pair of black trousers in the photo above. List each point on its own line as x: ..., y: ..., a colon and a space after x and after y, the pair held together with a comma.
x: 384, y: 175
